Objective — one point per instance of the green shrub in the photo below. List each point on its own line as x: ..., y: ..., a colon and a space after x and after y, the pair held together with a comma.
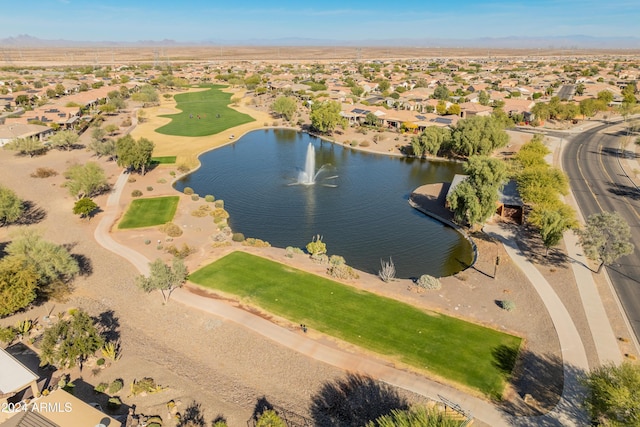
x: 145, y: 385
x: 195, y: 197
x: 136, y: 193
x: 101, y: 388
x: 219, y: 204
x: 209, y: 198
x: 172, y: 173
x: 116, y: 385
x: 100, y: 362
x: 336, y: 260
x: 114, y: 403
x: 8, y: 334
x: 188, y: 191
x: 161, y: 181
x: 131, y: 180
x: 507, y: 304
x: 147, y: 242
x: 364, y: 144
x: 353, y: 143
x: 171, y: 229
x: 149, y: 188
x: 237, y: 237
x: 183, y: 168
x: 428, y: 282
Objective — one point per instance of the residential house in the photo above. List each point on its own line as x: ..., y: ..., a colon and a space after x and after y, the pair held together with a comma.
x: 9, y: 132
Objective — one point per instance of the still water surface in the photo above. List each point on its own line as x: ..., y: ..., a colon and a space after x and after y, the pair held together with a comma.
x: 362, y: 212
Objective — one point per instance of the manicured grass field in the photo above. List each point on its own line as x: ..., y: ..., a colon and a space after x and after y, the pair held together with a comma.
x: 165, y: 160
x: 203, y: 113
x: 473, y: 355
x: 150, y: 212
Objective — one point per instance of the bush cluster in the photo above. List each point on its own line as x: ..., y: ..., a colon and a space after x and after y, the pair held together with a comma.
x: 209, y: 198
x: 202, y: 211
x: 182, y: 253
x: 188, y: 191
x: 237, y: 237
x: 428, y: 282
x: 171, y: 229
x: 256, y: 243
x: 341, y: 271
x: 44, y: 173
x: 136, y: 193
x: 116, y: 385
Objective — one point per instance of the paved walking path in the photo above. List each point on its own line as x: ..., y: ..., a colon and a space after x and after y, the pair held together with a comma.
x: 567, y: 413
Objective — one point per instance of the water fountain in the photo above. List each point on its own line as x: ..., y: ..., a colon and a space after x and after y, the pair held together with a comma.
x: 308, y: 175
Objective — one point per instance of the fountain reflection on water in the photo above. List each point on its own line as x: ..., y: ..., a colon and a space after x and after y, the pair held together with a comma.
x: 308, y: 175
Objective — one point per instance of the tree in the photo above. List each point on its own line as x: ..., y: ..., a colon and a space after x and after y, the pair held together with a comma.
x: 474, y: 199
x: 478, y: 135
x: 147, y: 94
x: 134, y: 155
x: 613, y: 398
x: 441, y: 108
x: 106, y: 148
x: 98, y: 134
x: 64, y: 139
x: 163, y: 277
x: 606, y: 96
x: 18, y: 285
x: 111, y: 128
x: 70, y: 341
x: 454, y: 109
x: 326, y: 116
x: 441, y: 92
x: 606, y: 238
x: 108, y: 108
x: 580, y: 89
x: 30, y: 146
x: 285, y: 106
x: 371, y: 119
x: 85, y: 180
x: 541, y: 111
x: 60, y: 90
x: 84, y: 207
x: 51, y: 262
x: 629, y: 94
x: 552, y: 220
x: 432, y: 140
x: 484, y: 98
x: 11, y: 207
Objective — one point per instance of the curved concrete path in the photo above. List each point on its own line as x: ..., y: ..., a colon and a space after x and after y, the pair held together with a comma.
x: 574, y: 357
x: 567, y: 413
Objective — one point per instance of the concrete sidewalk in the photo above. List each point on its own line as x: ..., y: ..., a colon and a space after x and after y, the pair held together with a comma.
x: 574, y: 357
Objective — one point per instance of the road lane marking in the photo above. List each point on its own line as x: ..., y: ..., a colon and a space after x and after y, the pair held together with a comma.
x: 611, y: 181
x: 585, y: 180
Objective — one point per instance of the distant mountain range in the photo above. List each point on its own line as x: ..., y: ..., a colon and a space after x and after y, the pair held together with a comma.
x: 564, y: 42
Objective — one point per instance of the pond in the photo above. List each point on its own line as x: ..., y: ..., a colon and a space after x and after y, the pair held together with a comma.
x: 358, y: 202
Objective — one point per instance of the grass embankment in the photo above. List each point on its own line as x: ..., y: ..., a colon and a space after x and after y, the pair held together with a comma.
x: 203, y: 113
x: 473, y: 355
x: 149, y: 212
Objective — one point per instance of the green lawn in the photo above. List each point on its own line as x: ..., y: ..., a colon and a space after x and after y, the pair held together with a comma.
x: 165, y: 160
x: 473, y: 355
x: 150, y: 212
x: 203, y: 113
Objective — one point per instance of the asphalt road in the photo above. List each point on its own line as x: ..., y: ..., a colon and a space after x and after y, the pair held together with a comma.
x: 592, y: 161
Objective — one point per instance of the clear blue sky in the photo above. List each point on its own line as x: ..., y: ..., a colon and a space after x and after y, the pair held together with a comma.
x: 197, y: 20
